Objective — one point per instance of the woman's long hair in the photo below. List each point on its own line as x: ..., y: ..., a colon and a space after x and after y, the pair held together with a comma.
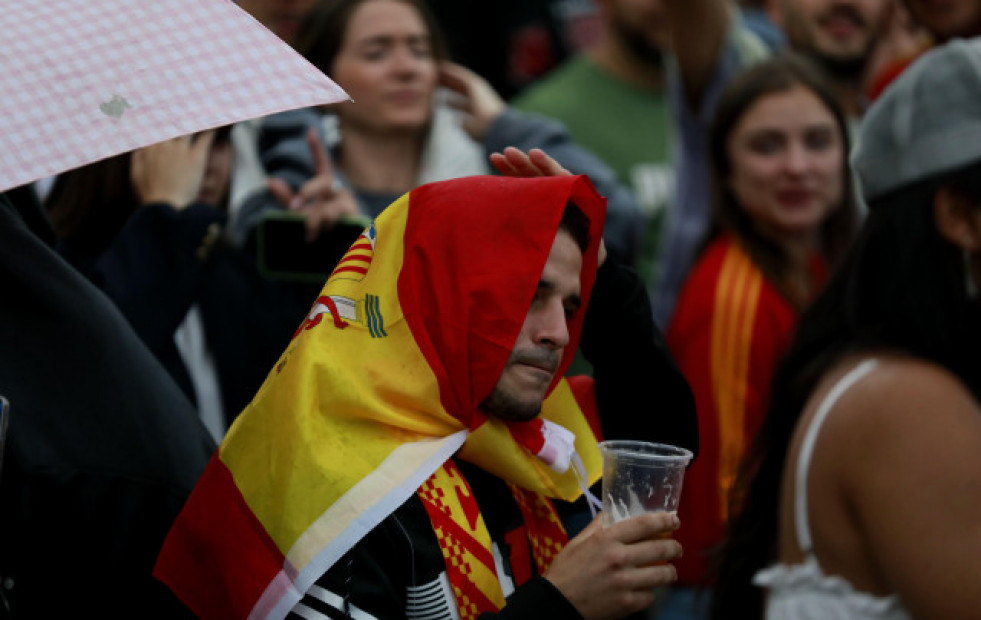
x: 89, y: 205
x: 900, y: 288
x: 776, y: 75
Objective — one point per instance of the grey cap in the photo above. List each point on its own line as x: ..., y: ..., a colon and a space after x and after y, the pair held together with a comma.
x: 926, y: 123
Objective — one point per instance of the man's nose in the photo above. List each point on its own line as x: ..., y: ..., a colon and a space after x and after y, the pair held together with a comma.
x: 552, y: 329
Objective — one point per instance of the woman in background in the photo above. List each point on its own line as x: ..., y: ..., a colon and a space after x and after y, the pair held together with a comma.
x: 861, y: 498
x: 397, y: 132
x: 783, y: 213
x: 147, y: 227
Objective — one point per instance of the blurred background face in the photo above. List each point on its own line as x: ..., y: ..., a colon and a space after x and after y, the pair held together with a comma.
x: 386, y: 65
x: 948, y: 18
x: 838, y: 33
x: 640, y: 25
x: 281, y: 16
x: 786, y: 160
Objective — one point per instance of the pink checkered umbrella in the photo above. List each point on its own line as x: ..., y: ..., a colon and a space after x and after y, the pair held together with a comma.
x: 82, y: 80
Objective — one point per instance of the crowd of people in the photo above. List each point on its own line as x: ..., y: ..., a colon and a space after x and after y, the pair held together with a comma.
x: 748, y: 229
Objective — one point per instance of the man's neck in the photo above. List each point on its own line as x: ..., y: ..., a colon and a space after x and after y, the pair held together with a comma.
x: 851, y: 96
x: 617, y: 60
x: 380, y: 164
x: 847, y: 80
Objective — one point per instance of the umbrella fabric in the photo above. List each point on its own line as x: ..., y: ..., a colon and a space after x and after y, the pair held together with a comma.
x: 83, y: 80
x: 379, y: 387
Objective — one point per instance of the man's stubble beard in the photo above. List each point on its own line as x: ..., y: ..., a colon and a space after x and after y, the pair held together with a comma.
x: 506, y: 407
x: 849, y: 68
x: 638, y: 44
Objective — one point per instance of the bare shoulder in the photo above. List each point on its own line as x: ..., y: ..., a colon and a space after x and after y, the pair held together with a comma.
x: 903, y: 403
x: 900, y: 386
x: 898, y: 456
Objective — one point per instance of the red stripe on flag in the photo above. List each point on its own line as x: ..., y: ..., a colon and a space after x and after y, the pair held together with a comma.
x: 217, y: 534
x: 360, y: 257
x: 361, y: 270
x: 584, y: 389
x: 362, y: 245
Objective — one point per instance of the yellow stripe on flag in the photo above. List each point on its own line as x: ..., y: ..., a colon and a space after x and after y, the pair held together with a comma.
x: 560, y: 407
x: 736, y: 300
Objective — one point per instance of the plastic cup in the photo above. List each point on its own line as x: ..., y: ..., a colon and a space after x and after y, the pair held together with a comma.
x: 640, y: 477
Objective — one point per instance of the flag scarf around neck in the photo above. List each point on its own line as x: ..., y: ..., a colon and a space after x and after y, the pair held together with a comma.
x: 379, y: 387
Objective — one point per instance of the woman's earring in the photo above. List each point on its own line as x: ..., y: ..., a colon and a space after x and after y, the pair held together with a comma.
x: 969, y: 284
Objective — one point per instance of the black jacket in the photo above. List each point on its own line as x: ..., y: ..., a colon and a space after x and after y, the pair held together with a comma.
x: 102, y: 448
x: 163, y: 261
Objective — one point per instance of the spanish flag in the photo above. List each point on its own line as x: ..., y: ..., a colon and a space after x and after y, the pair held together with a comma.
x: 378, y: 388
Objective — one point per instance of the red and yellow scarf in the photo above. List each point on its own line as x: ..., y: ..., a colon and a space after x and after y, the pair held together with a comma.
x: 379, y: 387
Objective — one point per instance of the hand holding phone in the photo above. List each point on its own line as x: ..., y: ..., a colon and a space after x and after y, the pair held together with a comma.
x: 322, y: 200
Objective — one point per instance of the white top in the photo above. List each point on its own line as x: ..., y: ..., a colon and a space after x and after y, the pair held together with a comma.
x: 803, y: 591
x: 196, y: 355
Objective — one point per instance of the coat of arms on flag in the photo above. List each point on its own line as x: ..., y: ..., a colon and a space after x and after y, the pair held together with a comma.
x: 355, y: 305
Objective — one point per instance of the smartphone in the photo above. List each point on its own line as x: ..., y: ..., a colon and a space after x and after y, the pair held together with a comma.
x: 285, y: 254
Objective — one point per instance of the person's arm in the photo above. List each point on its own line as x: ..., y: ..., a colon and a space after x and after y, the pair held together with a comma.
x: 154, y: 266
x: 698, y: 31
x: 902, y: 445
x: 640, y: 392
x: 711, y: 47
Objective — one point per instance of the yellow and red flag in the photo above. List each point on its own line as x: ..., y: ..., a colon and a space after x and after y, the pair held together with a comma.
x: 379, y: 387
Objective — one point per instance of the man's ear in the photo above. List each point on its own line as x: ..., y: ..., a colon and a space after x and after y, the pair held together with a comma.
x: 953, y: 213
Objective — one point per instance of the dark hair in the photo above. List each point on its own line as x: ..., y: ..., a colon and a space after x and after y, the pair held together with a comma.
x: 575, y: 222
x: 900, y: 288
x: 322, y: 31
x: 776, y: 75
x: 223, y: 135
x: 89, y: 205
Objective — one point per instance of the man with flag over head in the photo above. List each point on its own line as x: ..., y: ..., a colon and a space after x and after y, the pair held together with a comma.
x: 416, y: 452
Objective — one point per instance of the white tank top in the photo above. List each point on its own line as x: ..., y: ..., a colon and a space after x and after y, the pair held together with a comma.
x: 802, y: 591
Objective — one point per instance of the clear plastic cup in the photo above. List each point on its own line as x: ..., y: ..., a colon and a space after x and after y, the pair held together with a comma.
x: 640, y: 477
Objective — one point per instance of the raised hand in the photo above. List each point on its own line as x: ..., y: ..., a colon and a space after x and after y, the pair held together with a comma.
x: 474, y: 97
x: 171, y: 171
x: 321, y: 199
x: 514, y: 162
x: 611, y: 572
x: 535, y: 163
